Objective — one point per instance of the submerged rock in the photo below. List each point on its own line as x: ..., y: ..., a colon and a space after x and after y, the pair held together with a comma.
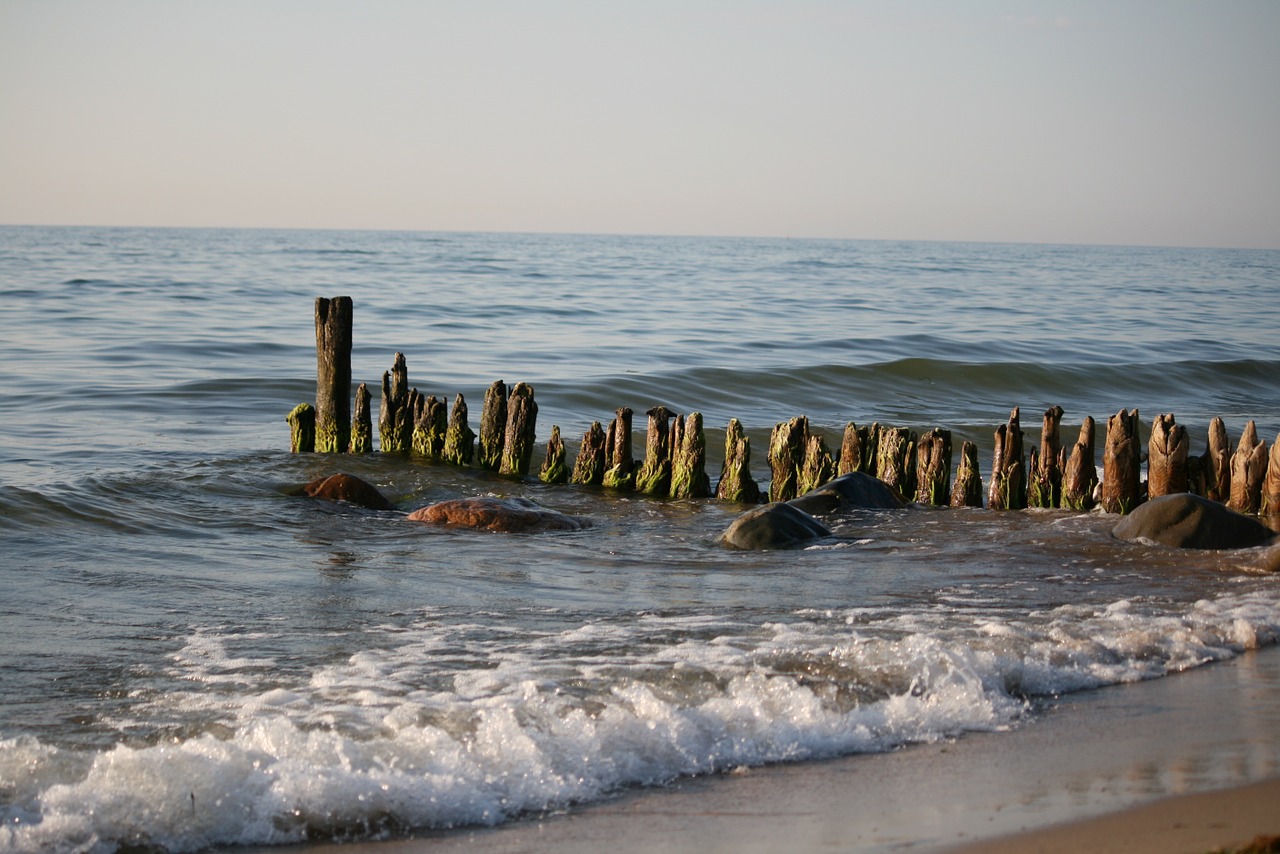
x: 1187, y: 521
x: 508, y: 515
x: 773, y: 526
x: 853, y: 491
x: 348, y: 488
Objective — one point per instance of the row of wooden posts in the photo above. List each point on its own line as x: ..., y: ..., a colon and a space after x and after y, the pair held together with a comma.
x: 917, y: 465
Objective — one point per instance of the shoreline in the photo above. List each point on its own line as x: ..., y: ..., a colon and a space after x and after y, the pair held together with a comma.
x: 1107, y: 764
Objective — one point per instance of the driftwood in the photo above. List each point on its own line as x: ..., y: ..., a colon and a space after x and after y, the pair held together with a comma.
x: 1217, y: 463
x: 816, y: 468
x: 459, y: 438
x: 1080, y: 476
x: 967, y: 489
x: 620, y: 466
x: 654, y: 476
x: 589, y: 467
x: 493, y: 427
x: 1248, y: 469
x: 786, y: 454
x: 395, y: 421
x: 1044, y: 487
x: 1008, y: 467
x: 896, y: 459
x: 522, y: 422
x: 333, y: 374
x: 362, y: 423
x: 1167, y: 458
x: 689, y: 460
x: 736, y: 483
x: 858, y: 449
x: 302, y: 428
x: 554, y: 469
x: 933, y: 468
x: 1122, y: 464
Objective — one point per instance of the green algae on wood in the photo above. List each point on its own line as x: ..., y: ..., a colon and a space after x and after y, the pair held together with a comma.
x: 1167, y: 458
x: 933, y: 468
x: 736, y: 483
x: 1080, y: 474
x: 654, y: 476
x: 522, y: 423
x: 786, y: 453
x: 858, y: 449
x: 362, y: 423
x: 1008, y: 490
x: 429, y: 428
x: 395, y: 421
x: 896, y: 459
x: 333, y: 374
x: 966, y: 491
x: 689, y: 461
x: 459, y: 438
x: 302, y: 428
x: 554, y: 469
x: 493, y: 427
x: 589, y: 467
x: 817, y: 467
x: 619, y: 463
x: 1122, y: 464
x: 1044, y: 485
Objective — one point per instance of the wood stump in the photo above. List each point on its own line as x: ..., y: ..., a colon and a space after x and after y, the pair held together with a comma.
x: 1122, y: 464
x: 431, y: 422
x: 933, y: 468
x: 1217, y: 463
x: 333, y: 374
x: 1008, y: 467
x: 522, y: 418
x: 459, y: 438
x: 896, y: 459
x: 786, y: 454
x: 689, y: 461
x: 654, y: 476
x: 816, y: 468
x: 620, y: 466
x: 554, y: 469
x: 589, y: 467
x: 1271, y: 487
x: 302, y: 429
x: 1248, y: 469
x: 736, y: 483
x: 493, y: 427
x: 395, y: 421
x: 967, y: 489
x: 362, y: 423
x: 1044, y: 489
x: 858, y: 449
x: 1167, y: 471
x: 1080, y: 476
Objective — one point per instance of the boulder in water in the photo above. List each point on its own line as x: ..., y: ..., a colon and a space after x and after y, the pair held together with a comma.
x: 773, y: 526
x: 348, y: 488
x: 853, y: 491
x: 508, y: 515
x: 1187, y: 521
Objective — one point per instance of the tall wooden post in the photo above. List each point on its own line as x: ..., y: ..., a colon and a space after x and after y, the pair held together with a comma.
x: 362, y: 423
x: 933, y: 468
x: 654, y: 476
x: 1044, y: 489
x: 736, y: 483
x: 1271, y: 488
x: 1167, y: 458
x: 1008, y: 467
x: 786, y: 452
x: 1217, y: 463
x: 1122, y: 464
x: 395, y: 421
x: 689, y: 461
x: 522, y: 422
x: 1080, y: 476
x: 333, y: 374
x: 1248, y: 468
x: 620, y: 466
x: 493, y: 427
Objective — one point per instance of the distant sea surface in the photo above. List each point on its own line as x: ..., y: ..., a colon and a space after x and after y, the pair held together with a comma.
x: 190, y: 656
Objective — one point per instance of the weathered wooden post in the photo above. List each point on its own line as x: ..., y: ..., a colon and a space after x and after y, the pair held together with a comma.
x: 689, y: 465
x: 1008, y: 467
x: 522, y: 417
x: 1122, y: 464
x: 896, y: 459
x: 1248, y: 468
x: 429, y: 427
x: 1080, y: 476
x: 362, y: 423
x: 1217, y: 463
x: 933, y: 468
x: 786, y: 453
x: 736, y: 483
x: 620, y: 466
x: 333, y: 374
x: 459, y: 438
x: 589, y: 467
x: 302, y: 428
x: 1271, y: 488
x: 395, y: 421
x: 858, y: 449
x: 1044, y: 489
x: 967, y: 490
x: 1167, y: 458
x: 553, y: 468
x: 654, y: 476
x: 816, y: 468
x: 493, y: 426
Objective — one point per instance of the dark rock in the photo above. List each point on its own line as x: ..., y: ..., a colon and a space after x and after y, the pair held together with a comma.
x: 508, y: 515
x: 854, y: 491
x: 348, y: 488
x: 1187, y: 521
x: 773, y: 526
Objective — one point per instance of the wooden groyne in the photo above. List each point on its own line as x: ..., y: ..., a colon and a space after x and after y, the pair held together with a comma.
x: 918, y: 466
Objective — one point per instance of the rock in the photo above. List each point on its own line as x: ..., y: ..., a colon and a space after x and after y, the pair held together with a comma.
x: 854, y: 491
x: 508, y: 515
x: 773, y: 526
x: 348, y: 488
x: 1187, y: 521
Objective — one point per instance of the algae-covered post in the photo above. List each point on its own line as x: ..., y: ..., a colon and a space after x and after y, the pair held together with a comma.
x: 1044, y: 488
x: 1217, y: 463
x: 1008, y: 468
x: 493, y: 426
x: 333, y: 374
x: 588, y: 468
x: 786, y: 453
x: 302, y: 428
x: 522, y: 423
x: 620, y: 466
x: 816, y: 468
x: 1122, y: 464
x: 1271, y: 487
x: 459, y: 438
x: 967, y: 489
x: 689, y: 461
x: 933, y: 468
x: 1248, y: 468
x: 553, y: 467
x: 896, y: 459
x: 1167, y: 458
x: 654, y: 476
x: 395, y: 421
x: 1081, y: 473
x: 430, y: 425
x: 736, y: 483
x: 362, y: 423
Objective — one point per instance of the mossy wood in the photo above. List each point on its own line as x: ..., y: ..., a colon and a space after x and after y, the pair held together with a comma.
x: 858, y: 449
x: 395, y: 420
x: 430, y: 425
x: 589, y: 467
x: 1044, y: 488
x: 689, y: 461
x: 522, y: 423
x: 1008, y: 489
x: 620, y: 466
x: 493, y: 427
x: 1248, y: 470
x: 786, y: 453
x: 1122, y: 464
x: 302, y: 428
x: 333, y: 374
x: 459, y: 438
x: 736, y: 483
x: 554, y: 469
x: 896, y: 459
x: 362, y: 423
x: 933, y: 468
x: 1080, y: 476
x: 654, y: 476
x: 1167, y: 455
x: 967, y: 489
x: 816, y: 468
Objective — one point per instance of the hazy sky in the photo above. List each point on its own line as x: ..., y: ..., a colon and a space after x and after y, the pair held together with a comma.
x: 1123, y: 121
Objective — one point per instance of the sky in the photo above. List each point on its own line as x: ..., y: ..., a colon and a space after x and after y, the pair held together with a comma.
x: 1143, y: 122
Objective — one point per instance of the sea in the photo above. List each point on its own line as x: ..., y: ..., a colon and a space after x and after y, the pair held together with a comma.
x: 192, y: 656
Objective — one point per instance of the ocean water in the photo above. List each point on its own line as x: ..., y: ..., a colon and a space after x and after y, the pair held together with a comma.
x: 191, y: 657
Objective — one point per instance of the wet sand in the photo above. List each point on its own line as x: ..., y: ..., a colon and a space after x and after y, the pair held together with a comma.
x: 1189, y: 763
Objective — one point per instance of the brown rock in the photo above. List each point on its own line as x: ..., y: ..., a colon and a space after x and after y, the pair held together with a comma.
x: 348, y: 488
x: 508, y: 515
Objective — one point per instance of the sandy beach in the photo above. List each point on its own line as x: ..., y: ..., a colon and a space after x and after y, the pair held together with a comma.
x: 1188, y: 763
